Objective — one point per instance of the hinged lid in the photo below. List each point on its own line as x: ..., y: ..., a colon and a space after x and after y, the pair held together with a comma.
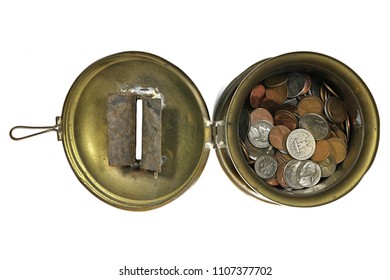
x: 175, y: 143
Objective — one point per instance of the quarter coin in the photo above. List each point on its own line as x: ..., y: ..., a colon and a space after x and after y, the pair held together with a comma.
x: 300, y: 144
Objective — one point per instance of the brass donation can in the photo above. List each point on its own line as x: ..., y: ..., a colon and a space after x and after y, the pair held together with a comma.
x: 137, y: 132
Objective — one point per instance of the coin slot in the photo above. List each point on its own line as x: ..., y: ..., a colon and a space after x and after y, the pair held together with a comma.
x: 139, y: 119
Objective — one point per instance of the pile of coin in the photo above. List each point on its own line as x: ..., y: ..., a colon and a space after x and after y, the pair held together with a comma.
x: 296, y: 131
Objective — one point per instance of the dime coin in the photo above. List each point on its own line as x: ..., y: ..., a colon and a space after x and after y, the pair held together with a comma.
x: 338, y: 149
x: 300, y: 144
x: 310, y: 104
x: 266, y: 166
x: 258, y: 133
x: 278, y: 135
x: 315, y: 124
x: 328, y: 166
x: 257, y: 96
x: 322, y: 151
x: 308, y: 174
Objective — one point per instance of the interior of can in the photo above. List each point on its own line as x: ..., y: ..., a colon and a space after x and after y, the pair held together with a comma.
x: 364, y: 128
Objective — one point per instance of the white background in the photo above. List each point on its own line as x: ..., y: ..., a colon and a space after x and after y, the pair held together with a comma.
x: 53, y: 228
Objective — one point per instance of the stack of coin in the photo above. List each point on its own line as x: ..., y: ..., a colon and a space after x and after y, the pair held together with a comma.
x: 298, y: 130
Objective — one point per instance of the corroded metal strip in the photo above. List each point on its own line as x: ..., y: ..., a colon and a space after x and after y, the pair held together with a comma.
x: 121, y: 127
x: 152, y: 133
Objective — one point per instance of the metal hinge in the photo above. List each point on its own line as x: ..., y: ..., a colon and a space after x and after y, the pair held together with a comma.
x: 217, y: 134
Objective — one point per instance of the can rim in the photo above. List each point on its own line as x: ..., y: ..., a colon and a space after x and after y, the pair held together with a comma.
x: 369, y: 114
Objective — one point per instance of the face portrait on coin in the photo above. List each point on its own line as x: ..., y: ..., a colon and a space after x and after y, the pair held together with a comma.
x: 308, y: 174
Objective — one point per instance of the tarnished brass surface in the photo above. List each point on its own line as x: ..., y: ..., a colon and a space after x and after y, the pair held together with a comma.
x: 184, y: 137
x: 364, y: 127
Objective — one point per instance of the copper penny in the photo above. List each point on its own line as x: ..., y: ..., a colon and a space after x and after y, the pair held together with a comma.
x: 322, y: 151
x: 272, y: 182
x: 339, y: 133
x: 278, y: 135
x: 310, y: 104
x: 335, y: 109
x: 338, y: 149
x: 275, y: 80
x: 280, y: 175
x: 278, y: 93
x: 286, y: 118
x: 257, y: 96
x: 290, y: 107
x: 261, y: 114
x: 271, y: 105
x: 282, y: 157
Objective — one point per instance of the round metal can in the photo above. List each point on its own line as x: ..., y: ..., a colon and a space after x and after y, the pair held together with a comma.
x: 363, y: 130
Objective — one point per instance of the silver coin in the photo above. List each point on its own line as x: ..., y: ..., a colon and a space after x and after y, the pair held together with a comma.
x: 308, y: 174
x: 290, y: 174
x: 259, y: 132
x: 328, y: 166
x: 296, y: 84
x: 315, y: 124
x: 300, y: 144
x: 255, y: 152
x: 266, y: 166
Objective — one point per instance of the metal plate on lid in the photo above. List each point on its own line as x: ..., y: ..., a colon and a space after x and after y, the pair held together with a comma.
x: 97, y: 125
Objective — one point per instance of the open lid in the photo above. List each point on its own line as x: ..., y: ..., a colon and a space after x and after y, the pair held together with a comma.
x: 94, y: 134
